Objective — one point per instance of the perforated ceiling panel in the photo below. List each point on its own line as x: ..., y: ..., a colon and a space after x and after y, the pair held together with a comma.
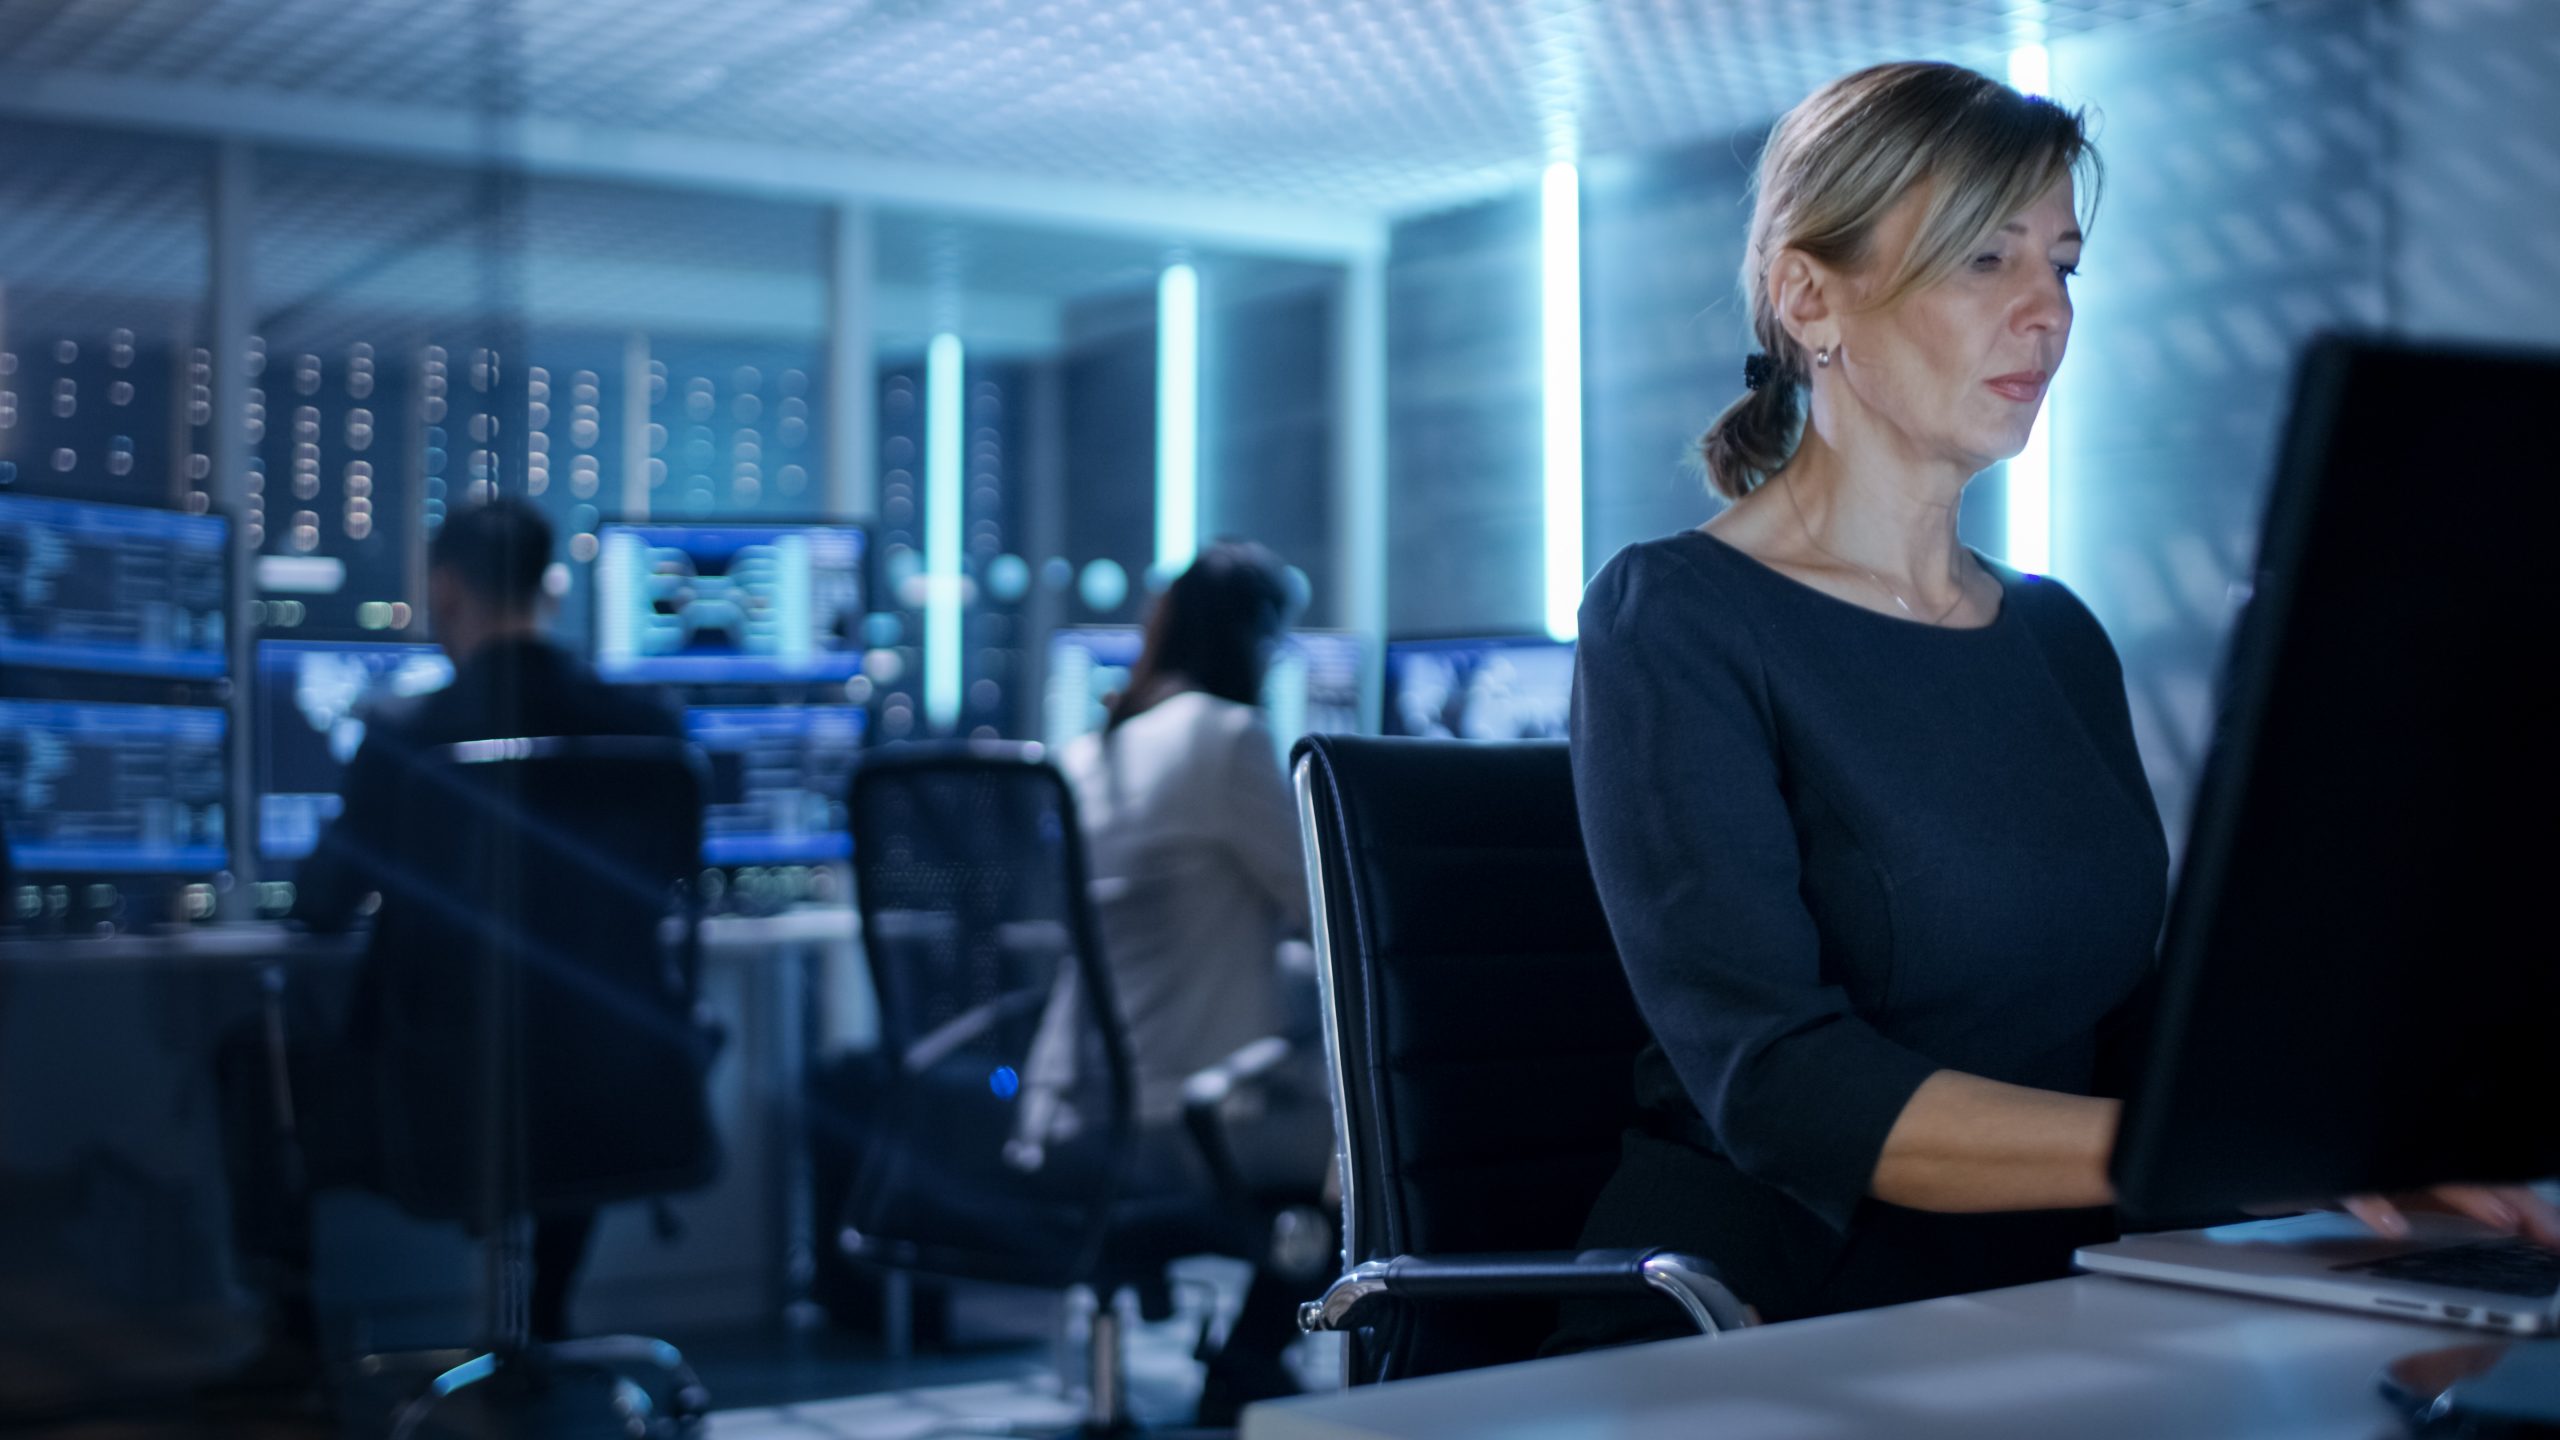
x: 102, y: 214
x: 1378, y: 105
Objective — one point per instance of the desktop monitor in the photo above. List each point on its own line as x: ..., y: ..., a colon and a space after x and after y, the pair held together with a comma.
x: 714, y: 604
x: 1313, y: 685
x: 96, y: 788
x: 779, y: 774
x: 310, y: 703
x: 1087, y: 665
x: 113, y: 588
x: 2359, y: 985
x: 1496, y: 688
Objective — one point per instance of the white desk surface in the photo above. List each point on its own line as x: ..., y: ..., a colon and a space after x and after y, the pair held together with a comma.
x: 2090, y: 1358
x: 225, y: 943
x: 231, y: 942
x: 804, y: 925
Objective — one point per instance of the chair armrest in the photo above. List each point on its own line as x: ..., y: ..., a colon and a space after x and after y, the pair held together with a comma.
x: 1688, y: 1282
x: 935, y: 1045
x: 1204, y: 1097
x: 1209, y: 1088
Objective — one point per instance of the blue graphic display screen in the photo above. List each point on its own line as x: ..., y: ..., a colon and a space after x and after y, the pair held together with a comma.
x: 100, y: 788
x: 710, y: 604
x: 312, y: 701
x: 1088, y: 664
x: 1499, y: 688
x: 112, y: 588
x: 1313, y: 686
x: 778, y: 778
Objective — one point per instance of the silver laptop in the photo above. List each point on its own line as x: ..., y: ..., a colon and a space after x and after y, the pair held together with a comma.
x: 2449, y: 1270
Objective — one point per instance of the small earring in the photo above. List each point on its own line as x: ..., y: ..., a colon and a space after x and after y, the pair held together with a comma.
x: 1822, y: 358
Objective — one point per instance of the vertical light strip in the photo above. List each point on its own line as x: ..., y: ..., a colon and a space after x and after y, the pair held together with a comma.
x: 2031, y: 498
x: 942, y: 441
x: 1560, y: 341
x: 1177, y: 420
x: 2030, y: 488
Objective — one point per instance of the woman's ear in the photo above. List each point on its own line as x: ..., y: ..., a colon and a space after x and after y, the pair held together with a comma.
x: 1801, y: 294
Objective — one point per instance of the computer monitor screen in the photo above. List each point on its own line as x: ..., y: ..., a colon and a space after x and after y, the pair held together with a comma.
x: 778, y: 777
x: 125, y: 789
x: 115, y: 588
x: 1087, y: 665
x: 311, y: 702
x: 2359, y: 994
x: 720, y: 603
x: 1313, y: 684
x: 1501, y: 688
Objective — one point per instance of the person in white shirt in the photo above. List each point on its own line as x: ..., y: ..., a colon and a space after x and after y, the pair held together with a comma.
x: 1191, y: 838
x: 1199, y: 881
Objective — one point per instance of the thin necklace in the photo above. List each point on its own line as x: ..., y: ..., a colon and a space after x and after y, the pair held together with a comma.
x: 1798, y: 507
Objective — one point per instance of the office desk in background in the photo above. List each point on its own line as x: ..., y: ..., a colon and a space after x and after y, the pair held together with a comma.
x: 2089, y: 1358
x: 114, y: 1218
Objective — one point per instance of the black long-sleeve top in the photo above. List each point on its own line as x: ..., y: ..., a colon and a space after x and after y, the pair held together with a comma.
x: 518, y: 685
x: 1838, y: 851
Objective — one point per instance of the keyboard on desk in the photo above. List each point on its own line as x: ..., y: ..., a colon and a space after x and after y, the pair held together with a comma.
x: 2509, y: 1266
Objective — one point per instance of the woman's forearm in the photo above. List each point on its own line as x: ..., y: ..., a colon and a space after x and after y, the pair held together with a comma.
x: 1965, y: 1143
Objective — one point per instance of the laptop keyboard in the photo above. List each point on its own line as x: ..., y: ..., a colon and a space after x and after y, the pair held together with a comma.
x: 2502, y: 1267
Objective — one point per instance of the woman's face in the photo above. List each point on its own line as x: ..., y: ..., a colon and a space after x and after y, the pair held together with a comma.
x: 1960, y: 368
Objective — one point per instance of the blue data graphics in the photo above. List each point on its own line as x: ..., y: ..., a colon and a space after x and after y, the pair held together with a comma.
x: 312, y: 702
x: 114, y: 588
x: 1502, y: 688
x: 99, y: 788
x: 1313, y: 686
x: 711, y: 603
x: 778, y: 780
x: 1087, y: 665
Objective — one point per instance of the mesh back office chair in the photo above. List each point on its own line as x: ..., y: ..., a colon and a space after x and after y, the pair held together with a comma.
x: 1482, y: 1042
x: 996, y: 1153
x: 537, y: 1046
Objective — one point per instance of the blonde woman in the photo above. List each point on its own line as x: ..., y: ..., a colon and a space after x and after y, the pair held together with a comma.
x: 1863, y: 804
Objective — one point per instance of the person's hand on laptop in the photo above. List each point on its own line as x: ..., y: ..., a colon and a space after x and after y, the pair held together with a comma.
x: 2515, y: 1209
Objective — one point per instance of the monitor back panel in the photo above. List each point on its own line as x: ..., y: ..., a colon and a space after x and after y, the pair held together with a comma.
x: 2359, y: 970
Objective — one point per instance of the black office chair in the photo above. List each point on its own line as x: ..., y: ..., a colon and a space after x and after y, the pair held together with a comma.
x: 1482, y: 1043
x: 538, y: 1049
x: 996, y: 1155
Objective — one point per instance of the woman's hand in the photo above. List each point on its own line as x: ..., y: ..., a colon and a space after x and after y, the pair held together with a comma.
x: 2515, y: 1209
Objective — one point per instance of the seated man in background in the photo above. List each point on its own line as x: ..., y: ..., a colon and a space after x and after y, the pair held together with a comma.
x: 292, y: 1130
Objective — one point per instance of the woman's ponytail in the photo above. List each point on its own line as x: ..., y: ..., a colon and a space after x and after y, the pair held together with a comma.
x: 1755, y: 435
